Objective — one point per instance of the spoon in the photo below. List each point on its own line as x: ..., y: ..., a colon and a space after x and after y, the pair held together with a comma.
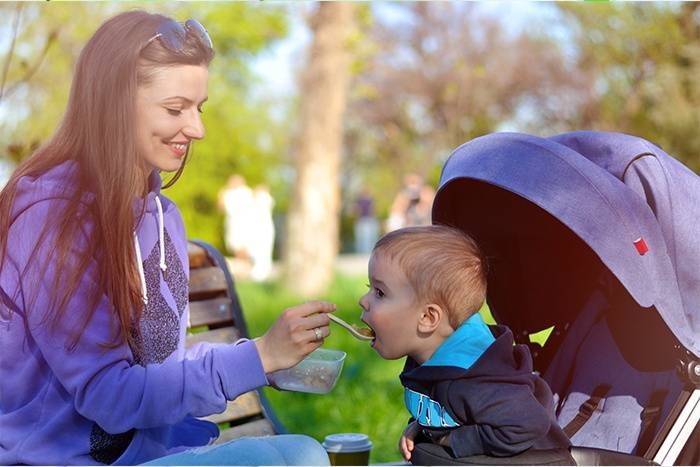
x: 364, y: 334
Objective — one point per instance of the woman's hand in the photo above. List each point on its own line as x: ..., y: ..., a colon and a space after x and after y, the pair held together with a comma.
x: 297, y: 332
x: 406, y: 443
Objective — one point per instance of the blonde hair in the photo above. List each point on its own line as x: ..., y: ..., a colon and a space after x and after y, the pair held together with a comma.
x: 443, y: 266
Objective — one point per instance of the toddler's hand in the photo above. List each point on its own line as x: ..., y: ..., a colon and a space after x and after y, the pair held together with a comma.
x: 406, y: 443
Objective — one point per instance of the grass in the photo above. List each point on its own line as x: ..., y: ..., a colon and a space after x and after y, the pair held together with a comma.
x: 368, y: 397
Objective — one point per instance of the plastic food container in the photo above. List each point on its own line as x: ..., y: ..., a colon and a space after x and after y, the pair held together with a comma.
x: 317, y: 373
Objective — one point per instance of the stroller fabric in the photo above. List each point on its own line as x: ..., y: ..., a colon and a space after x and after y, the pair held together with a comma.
x: 672, y: 192
x: 593, y: 234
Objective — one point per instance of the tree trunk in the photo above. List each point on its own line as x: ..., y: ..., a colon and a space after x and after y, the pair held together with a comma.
x: 311, y: 244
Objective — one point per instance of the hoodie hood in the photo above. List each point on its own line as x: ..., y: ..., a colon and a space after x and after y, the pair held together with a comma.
x: 58, y: 185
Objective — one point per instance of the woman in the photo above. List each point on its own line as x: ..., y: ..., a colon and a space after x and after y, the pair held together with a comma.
x: 93, y: 274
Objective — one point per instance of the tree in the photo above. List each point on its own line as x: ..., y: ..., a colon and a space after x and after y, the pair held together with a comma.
x: 640, y: 62
x: 42, y: 49
x: 439, y: 75
x: 311, y: 244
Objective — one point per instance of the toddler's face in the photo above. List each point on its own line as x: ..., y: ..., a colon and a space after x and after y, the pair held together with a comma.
x: 390, y: 308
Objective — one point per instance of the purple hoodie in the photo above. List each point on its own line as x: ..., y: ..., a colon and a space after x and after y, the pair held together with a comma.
x: 94, y: 404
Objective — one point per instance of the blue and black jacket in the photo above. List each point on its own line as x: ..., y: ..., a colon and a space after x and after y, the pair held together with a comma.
x: 481, y: 387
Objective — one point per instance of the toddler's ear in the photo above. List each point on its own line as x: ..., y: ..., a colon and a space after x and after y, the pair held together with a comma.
x: 431, y: 317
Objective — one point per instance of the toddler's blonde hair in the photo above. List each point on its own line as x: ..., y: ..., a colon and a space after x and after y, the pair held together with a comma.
x: 443, y: 265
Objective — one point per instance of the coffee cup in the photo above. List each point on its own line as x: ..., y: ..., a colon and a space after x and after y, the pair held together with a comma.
x: 348, y: 448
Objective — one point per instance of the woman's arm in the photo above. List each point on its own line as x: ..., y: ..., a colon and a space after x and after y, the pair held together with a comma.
x: 102, y: 381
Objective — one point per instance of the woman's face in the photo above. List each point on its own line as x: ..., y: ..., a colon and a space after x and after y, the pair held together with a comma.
x: 168, y: 115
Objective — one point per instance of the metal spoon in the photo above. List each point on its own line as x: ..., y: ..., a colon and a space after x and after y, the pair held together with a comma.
x: 364, y: 334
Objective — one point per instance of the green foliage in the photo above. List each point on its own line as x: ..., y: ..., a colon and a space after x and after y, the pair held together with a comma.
x: 643, y: 60
x: 434, y: 75
x: 49, y: 37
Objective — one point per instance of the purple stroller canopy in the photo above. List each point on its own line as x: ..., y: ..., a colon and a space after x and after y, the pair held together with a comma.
x: 633, y: 206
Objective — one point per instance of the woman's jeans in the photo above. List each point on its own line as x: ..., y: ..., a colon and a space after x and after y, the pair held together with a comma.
x: 265, y: 450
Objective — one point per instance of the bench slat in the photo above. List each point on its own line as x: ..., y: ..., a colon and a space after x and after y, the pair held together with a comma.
x: 227, y: 335
x: 198, y: 255
x: 207, y: 282
x: 213, y: 312
x: 214, y: 306
x: 245, y: 406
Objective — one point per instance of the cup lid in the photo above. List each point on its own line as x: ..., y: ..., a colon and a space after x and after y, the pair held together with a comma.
x: 347, y: 442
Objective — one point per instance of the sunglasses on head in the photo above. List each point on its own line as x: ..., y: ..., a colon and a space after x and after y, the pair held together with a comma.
x: 172, y: 34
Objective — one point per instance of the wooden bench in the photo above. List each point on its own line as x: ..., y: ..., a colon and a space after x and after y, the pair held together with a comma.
x: 216, y: 316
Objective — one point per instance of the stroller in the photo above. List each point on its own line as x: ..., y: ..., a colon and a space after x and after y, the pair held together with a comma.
x: 593, y: 238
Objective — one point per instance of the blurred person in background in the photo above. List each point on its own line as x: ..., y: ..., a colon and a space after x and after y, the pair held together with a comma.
x: 366, y: 226
x: 412, y: 205
x: 262, y: 233
x: 236, y: 201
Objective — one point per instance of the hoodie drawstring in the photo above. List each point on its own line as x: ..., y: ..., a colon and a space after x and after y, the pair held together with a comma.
x: 161, y: 235
x: 139, y: 264
x: 161, y: 247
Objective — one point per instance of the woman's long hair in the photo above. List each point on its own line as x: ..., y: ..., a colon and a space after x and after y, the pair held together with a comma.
x: 98, y: 134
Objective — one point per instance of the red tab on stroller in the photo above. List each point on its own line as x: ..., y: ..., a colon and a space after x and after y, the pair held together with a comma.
x: 641, y: 246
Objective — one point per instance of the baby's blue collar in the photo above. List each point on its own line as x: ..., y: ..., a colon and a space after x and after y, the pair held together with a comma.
x: 464, y: 346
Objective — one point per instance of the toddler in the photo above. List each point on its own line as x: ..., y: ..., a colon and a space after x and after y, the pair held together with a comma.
x: 467, y: 386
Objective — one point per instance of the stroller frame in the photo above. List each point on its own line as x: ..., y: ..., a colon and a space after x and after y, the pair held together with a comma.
x: 675, y: 438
